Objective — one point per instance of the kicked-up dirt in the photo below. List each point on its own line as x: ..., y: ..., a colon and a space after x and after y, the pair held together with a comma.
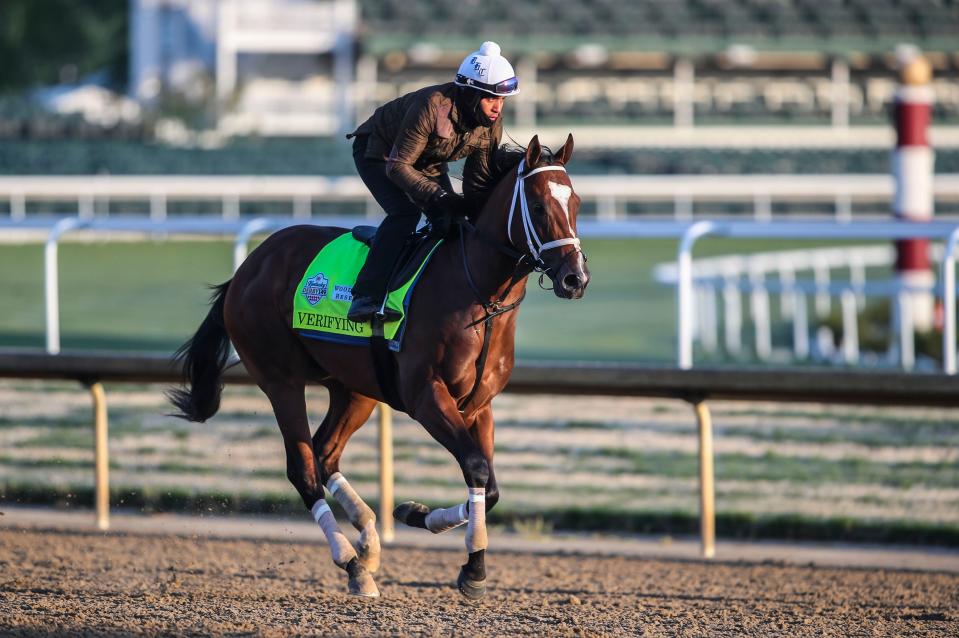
x: 75, y: 583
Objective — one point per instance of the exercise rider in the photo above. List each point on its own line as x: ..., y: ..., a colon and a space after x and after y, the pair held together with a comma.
x: 401, y: 153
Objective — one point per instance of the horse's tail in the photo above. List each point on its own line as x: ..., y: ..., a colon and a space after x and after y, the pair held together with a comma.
x: 204, y: 360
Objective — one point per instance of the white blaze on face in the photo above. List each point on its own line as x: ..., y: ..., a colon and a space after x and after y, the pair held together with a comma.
x: 561, y: 193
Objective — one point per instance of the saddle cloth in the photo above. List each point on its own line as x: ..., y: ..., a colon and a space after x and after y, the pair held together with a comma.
x: 325, y: 291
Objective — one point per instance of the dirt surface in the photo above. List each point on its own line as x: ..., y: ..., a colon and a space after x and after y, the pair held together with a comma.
x: 53, y: 583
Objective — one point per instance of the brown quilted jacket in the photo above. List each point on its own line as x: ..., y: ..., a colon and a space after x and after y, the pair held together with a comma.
x: 418, y: 133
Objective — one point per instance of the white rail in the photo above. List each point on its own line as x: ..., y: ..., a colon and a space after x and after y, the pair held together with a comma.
x: 799, y: 230
x: 949, y: 304
x: 243, y: 230
x: 608, y: 193
x: 729, y: 276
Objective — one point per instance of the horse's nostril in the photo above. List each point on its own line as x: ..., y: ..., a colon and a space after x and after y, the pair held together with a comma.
x: 571, y: 281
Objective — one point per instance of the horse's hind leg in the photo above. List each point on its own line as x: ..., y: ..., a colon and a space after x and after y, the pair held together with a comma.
x: 347, y: 413
x: 289, y: 406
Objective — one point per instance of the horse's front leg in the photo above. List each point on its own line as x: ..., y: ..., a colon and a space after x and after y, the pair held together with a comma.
x: 472, y: 577
x: 438, y: 413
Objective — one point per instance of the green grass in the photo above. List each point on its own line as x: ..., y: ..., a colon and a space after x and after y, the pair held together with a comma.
x: 145, y: 295
x: 874, y: 437
x: 152, y: 295
x: 767, y: 467
x: 59, y: 438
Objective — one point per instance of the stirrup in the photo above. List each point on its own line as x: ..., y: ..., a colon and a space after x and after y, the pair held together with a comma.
x: 362, y: 312
x: 386, y: 314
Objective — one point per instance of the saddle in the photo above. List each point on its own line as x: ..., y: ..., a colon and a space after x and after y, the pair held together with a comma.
x: 415, y: 250
x: 324, y: 294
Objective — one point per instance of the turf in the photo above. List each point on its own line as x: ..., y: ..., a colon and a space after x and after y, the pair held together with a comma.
x: 151, y: 295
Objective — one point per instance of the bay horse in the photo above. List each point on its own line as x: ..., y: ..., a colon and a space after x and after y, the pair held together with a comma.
x: 527, y: 224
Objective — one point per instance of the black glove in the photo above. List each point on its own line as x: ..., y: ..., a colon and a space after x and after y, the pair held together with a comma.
x: 446, y: 203
x: 443, y: 211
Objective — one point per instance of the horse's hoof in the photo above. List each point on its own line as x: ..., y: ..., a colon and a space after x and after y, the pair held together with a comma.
x: 361, y: 581
x: 364, y: 586
x: 411, y: 513
x: 472, y: 589
x: 368, y: 553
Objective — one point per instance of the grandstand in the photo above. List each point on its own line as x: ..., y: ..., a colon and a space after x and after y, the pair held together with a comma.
x: 628, y: 78
x: 675, y: 26
x: 324, y: 156
x: 605, y: 61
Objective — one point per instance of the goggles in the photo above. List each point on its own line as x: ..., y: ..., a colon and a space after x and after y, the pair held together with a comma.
x: 500, y: 88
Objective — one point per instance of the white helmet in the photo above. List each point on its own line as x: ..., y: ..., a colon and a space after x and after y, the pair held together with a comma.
x: 486, y: 70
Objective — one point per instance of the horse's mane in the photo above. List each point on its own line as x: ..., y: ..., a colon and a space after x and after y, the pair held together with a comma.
x: 508, y: 156
x: 505, y: 158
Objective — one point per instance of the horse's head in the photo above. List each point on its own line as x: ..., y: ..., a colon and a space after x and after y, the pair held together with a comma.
x: 542, y: 218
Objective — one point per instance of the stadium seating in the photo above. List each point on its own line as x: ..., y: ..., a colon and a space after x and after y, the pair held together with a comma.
x: 834, y: 21
x: 720, y: 97
x: 332, y: 157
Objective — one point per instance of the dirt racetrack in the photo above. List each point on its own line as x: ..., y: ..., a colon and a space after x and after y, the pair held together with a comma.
x: 63, y: 582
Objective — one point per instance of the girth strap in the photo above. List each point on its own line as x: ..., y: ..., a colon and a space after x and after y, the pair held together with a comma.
x: 384, y: 364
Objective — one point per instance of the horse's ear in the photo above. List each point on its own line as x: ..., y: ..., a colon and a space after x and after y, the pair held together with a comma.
x: 533, y: 152
x: 563, y: 154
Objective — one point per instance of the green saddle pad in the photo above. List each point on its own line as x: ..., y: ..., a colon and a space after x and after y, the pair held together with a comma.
x: 325, y: 292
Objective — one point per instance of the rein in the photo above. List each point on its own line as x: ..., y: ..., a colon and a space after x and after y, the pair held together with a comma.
x: 525, y: 264
x: 491, y: 308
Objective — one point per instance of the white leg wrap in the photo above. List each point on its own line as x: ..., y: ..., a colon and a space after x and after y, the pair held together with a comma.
x: 476, y: 529
x: 359, y: 513
x: 446, y: 518
x: 340, y: 547
x: 362, y: 518
x: 369, y: 532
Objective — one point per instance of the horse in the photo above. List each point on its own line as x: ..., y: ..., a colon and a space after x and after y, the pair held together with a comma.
x: 457, y: 354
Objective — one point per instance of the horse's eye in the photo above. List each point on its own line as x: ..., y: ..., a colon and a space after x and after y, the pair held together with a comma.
x: 538, y: 208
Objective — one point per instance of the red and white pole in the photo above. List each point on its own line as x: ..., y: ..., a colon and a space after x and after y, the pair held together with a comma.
x: 912, y: 169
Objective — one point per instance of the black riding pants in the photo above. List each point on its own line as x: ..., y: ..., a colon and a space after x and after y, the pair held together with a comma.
x: 402, y: 217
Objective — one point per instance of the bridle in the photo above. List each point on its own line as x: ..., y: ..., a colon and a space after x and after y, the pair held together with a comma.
x: 536, y: 245
x: 526, y: 262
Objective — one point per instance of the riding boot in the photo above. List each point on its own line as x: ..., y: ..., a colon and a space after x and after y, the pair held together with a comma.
x: 373, y: 281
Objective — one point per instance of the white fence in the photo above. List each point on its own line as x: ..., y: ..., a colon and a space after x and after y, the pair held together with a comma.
x: 687, y: 308
x: 609, y: 194
x: 722, y: 281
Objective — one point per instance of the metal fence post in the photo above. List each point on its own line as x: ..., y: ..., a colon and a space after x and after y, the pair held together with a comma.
x: 949, y: 304
x: 707, y: 492
x: 759, y: 305
x: 18, y: 206
x: 800, y: 326
x: 101, y: 456
x: 51, y: 283
x: 905, y: 326
x: 850, y: 328
x: 686, y: 303
x: 732, y: 314
x: 386, y: 473
x: 242, y: 241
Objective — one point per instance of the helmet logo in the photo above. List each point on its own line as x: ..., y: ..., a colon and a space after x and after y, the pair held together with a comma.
x: 487, y: 70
